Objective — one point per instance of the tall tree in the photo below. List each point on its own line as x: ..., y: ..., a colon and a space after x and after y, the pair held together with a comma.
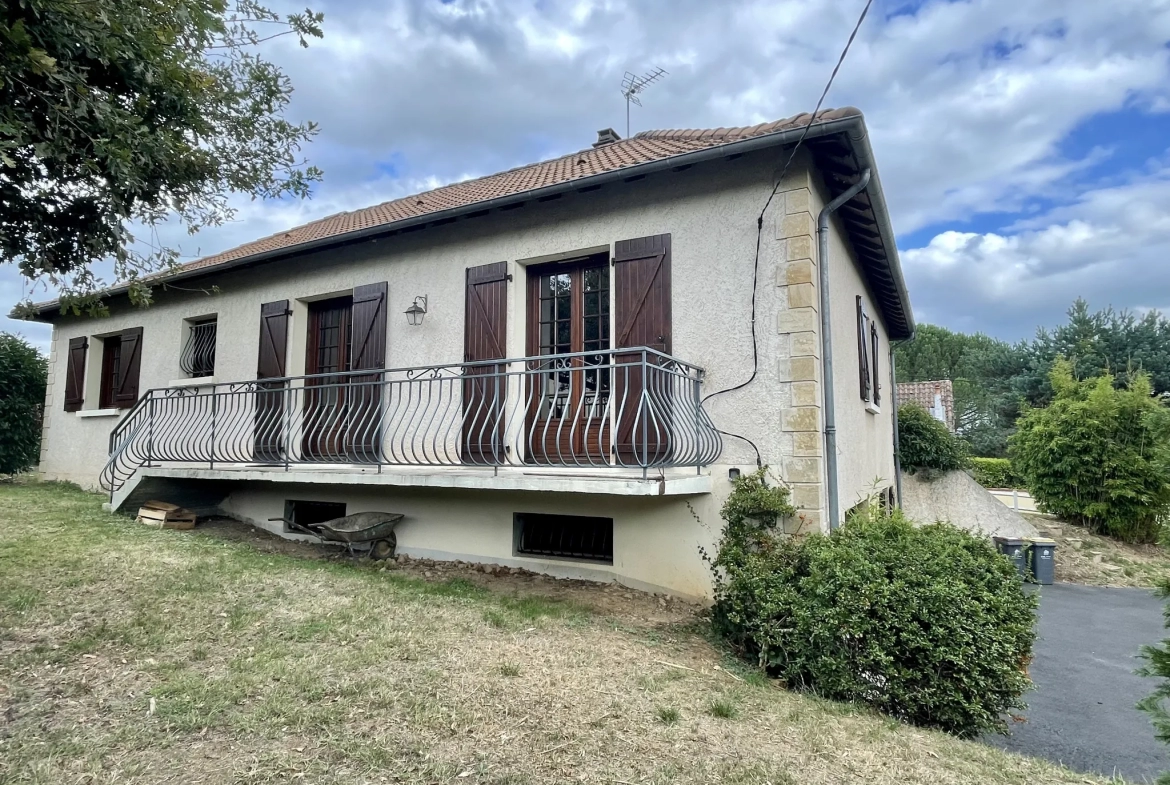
x: 115, y: 115
x: 981, y: 369
x: 1112, y: 342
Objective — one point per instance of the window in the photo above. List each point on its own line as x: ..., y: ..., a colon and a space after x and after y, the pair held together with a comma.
x: 564, y: 536
x: 111, y: 371
x: 307, y: 512
x: 198, y: 357
x: 571, y: 303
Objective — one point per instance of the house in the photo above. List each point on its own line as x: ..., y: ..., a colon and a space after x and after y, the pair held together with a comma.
x: 937, y: 397
x: 559, y: 367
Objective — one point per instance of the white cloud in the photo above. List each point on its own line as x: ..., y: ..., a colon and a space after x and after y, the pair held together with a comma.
x: 1110, y: 246
x: 968, y: 103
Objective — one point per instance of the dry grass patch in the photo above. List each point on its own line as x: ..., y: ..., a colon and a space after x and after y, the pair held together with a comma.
x: 130, y: 655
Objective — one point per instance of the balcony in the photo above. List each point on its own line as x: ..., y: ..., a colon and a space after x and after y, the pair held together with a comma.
x: 628, y: 411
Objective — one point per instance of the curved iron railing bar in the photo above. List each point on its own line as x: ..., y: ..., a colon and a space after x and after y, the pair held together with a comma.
x: 552, y: 410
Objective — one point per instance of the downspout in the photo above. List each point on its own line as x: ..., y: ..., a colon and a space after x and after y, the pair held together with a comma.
x: 827, y: 345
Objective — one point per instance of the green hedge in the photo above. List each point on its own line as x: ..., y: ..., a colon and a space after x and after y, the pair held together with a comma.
x: 1099, y: 454
x: 24, y: 371
x: 1158, y: 666
x: 924, y: 443
x: 995, y: 473
x: 927, y: 624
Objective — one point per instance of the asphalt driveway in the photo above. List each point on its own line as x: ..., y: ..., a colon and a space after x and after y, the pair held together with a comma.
x: 1082, y: 713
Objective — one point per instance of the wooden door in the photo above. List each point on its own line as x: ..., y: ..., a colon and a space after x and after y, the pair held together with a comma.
x: 326, y: 424
x: 484, y: 386
x: 569, y: 397
x: 642, y: 315
x: 270, y: 434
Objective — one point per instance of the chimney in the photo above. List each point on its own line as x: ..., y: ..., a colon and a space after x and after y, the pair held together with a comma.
x: 606, y: 136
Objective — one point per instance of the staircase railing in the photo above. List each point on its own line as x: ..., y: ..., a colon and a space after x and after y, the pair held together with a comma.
x: 632, y: 408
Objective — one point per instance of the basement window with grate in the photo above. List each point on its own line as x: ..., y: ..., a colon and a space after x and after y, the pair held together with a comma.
x: 564, y: 536
x: 198, y: 357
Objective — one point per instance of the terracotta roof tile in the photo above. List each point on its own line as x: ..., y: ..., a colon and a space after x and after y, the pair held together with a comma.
x: 641, y: 148
x: 923, y: 393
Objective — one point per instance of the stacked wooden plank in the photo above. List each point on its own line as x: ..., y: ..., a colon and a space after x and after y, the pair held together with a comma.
x: 166, y: 516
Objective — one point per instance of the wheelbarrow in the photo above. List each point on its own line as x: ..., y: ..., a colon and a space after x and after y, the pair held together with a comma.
x: 375, y: 528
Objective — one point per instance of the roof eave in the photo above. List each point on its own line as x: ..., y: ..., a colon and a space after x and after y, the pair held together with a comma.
x: 853, y: 126
x: 859, y: 140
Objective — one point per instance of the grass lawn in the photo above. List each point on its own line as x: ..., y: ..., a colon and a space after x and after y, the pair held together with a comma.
x: 132, y: 655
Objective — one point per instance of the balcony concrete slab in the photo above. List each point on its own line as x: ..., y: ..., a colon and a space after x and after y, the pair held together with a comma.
x: 613, y: 482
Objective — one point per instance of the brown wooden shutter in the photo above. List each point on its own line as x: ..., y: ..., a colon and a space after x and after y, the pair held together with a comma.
x: 369, y: 327
x: 642, y: 292
x: 75, y: 374
x: 129, y: 368
x: 862, y: 350
x: 487, y: 312
x: 273, y: 339
x: 364, y: 393
x: 642, y: 315
x: 270, y: 437
x: 484, y: 330
x: 873, y: 344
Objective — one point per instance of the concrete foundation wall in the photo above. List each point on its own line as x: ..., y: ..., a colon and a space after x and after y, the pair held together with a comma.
x: 656, y: 540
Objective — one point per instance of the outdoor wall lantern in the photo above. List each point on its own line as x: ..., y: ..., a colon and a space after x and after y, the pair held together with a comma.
x: 416, y: 311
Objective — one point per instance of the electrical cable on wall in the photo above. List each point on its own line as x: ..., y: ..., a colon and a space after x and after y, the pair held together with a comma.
x: 760, y: 232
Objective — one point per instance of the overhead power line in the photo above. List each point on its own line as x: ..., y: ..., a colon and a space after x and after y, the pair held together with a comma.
x: 760, y: 225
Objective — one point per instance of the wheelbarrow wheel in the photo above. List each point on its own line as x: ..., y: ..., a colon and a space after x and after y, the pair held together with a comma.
x: 382, y: 549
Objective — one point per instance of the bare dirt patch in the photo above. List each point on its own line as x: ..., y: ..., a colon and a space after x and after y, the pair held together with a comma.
x: 1090, y: 559
x: 610, y: 599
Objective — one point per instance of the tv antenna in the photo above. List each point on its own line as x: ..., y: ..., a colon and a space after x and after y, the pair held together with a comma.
x: 632, y: 85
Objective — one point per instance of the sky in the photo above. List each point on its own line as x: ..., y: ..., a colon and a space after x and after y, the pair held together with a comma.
x: 1024, y: 145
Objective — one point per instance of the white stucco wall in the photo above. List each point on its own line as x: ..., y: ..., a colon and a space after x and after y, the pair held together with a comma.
x: 710, y: 212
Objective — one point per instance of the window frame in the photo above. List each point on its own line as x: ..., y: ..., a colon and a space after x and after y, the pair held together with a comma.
x: 193, y: 368
x: 109, y: 378
x: 863, y: 350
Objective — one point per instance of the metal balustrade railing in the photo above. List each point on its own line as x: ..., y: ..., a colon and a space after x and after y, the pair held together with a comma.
x: 198, y: 355
x: 632, y: 408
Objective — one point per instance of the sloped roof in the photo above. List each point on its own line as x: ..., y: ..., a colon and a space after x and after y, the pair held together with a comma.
x: 641, y: 148
x: 836, y: 138
x: 923, y: 393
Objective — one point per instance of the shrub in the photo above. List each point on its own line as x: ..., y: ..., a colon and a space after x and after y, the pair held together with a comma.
x: 1098, y: 455
x: 1158, y: 666
x: 924, y: 443
x: 929, y: 625
x: 995, y: 473
x: 22, y: 397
